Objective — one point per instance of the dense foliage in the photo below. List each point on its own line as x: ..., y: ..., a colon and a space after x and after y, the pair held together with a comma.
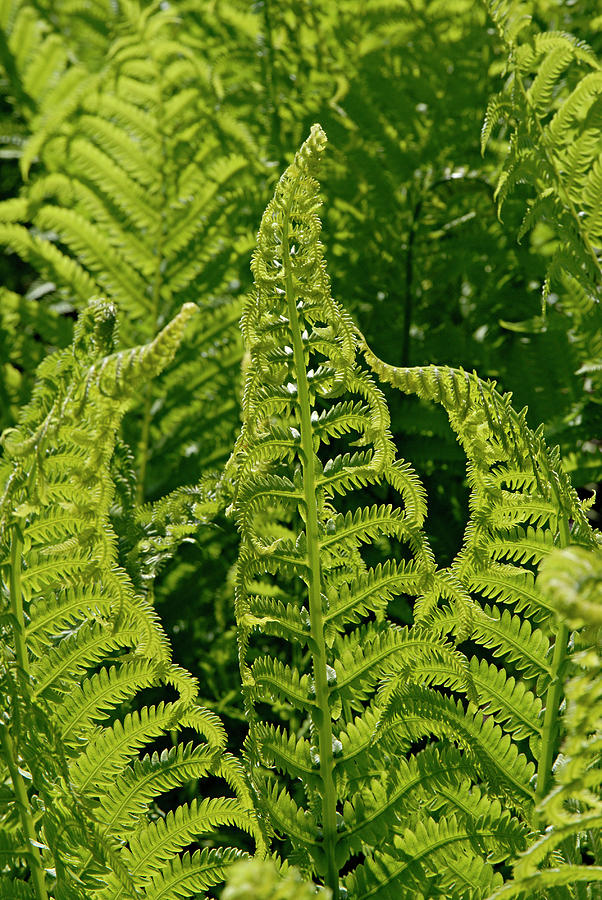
x: 310, y: 590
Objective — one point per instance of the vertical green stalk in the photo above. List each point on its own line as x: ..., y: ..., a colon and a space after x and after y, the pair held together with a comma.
x: 549, y: 743
x: 25, y: 813
x: 16, y: 604
x: 323, y: 717
x: 551, y: 724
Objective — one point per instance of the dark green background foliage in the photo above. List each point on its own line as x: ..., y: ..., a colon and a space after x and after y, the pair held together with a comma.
x: 140, y: 143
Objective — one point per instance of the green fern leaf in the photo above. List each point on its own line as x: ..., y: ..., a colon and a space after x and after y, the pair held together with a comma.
x: 302, y: 575
x: 81, y: 643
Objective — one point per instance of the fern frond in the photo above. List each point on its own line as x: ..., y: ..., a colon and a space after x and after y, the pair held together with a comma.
x: 304, y: 575
x: 133, y: 790
x: 193, y: 872
x: 132, y: 196
x: 11, y: 889
x: 435, y: 855
x: 565, y: 876
x: 415, y: 712
x: 508, y: 700
x: 552, y: 103
x: 81, y: 643
x: 153, y: 848
x: 514, y: 479
x: 573, y: 805
x: 513, y: 638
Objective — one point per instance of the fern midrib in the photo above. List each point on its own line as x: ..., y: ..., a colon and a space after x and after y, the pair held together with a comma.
x: 551, y: 723
x: 25, y: 813
x: 16, y: 602
x: 555, y: 689
x: 313, y: 555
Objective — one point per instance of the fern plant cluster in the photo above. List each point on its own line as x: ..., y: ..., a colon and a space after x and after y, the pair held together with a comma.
x: 298, y: 607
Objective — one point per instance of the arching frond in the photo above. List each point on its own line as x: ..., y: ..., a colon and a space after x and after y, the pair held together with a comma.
x: 303, y: 576
x: 82, y: 646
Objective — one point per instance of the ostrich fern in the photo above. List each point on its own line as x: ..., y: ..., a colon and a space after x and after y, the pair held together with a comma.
x: 130, y: 186
x: 81, y: 647
x: 414, y: 731
x: 341, y: 697
x: 393, y: 761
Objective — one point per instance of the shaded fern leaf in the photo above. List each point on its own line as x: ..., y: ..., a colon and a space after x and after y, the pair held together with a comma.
x: 552, y: 101
x: 132, y: 196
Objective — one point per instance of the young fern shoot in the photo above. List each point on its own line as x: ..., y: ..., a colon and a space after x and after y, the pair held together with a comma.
x: 303, y: 580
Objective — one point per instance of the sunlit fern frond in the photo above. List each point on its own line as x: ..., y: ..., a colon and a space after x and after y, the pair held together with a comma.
x: 572, y: 579
x: 315, y: 434
x: 523, y: 510
x: 82, y: 648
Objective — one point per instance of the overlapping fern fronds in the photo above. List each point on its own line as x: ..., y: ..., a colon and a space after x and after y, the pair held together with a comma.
x: 38, y: 76
x: 551, y: 104
x: 572, y: 579
x: 315, y: 434
x: 35, y: 59
x: 522, y: 508
x: 27, y: 330
x: 78, y: 807
x: 131, y: 187
x: 552, y: 99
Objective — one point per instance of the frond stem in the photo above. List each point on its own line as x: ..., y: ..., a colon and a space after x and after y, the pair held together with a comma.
x: 27, y: 823
x: 323, y: 718
x: 270, y: 80
x: 25, y: 813
x: 16, y: 603
x: 551, y: 724
x: 409, y: 279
